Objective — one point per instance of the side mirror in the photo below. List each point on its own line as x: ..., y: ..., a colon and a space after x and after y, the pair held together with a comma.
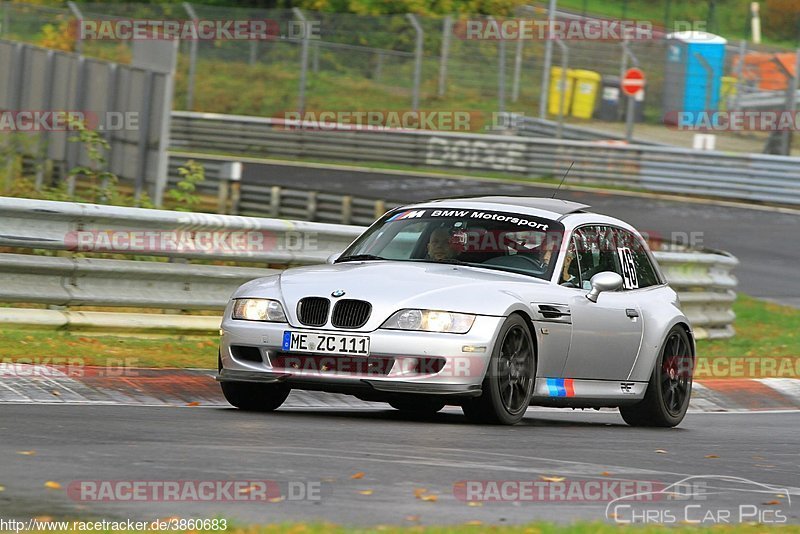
x: 333, y: 257
x: 605, y: 281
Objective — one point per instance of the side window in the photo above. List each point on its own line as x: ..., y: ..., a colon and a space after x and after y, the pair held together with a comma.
x: 597, y: 252
x: 637, y: 270
x: 571, y: 272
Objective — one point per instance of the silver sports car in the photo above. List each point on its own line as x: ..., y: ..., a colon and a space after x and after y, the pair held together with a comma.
x: 492, y: 304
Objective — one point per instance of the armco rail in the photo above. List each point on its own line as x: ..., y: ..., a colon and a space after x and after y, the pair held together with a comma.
x: 703, y: 280
x: 753, y: 177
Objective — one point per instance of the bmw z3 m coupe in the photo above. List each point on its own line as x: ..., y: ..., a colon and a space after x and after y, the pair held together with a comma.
x: 492, y: 304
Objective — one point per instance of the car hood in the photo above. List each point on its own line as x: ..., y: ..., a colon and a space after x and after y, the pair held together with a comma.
x: 393, y: 285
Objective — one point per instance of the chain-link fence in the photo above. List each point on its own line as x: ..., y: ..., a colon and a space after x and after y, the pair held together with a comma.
x: 345, y: 62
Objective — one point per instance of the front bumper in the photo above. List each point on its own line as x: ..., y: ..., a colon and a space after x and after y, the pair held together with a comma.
x: 400, y: 362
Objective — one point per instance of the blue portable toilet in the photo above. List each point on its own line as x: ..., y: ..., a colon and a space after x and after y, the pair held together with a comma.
x: 688, y: 86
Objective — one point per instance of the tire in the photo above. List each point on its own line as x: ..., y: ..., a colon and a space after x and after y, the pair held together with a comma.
x: 670, y: 387
x: 508, y: 384
x: 417, y: 405
x: 253, y: 397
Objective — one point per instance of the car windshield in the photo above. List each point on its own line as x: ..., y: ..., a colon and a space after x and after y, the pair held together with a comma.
x: 497, y: 240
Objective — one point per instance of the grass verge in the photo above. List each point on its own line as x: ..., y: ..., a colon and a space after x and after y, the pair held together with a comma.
x: 763, y: 330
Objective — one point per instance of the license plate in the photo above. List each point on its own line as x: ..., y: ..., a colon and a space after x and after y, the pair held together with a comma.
x: 325, y: 343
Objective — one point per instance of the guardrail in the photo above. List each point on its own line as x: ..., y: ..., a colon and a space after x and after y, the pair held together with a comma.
x: 703, y: 280
x: 755, y: 177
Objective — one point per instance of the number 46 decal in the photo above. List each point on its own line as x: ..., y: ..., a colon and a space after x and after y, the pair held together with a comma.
x: 629, y: 278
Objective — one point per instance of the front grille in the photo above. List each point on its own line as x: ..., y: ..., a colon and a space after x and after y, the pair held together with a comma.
x: 313, y: 311
x: 350, y: 313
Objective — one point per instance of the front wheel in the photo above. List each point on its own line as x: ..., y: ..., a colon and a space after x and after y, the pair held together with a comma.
x: 508, y: 385
x: 667, y: 397
x: 253, y: 397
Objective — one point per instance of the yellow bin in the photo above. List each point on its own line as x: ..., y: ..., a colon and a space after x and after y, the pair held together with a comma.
x: 727, y: 90
x: 554, y: 99
x: 587, y: 85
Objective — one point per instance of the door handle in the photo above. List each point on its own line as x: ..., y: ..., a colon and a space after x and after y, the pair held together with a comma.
x: 630, y: 312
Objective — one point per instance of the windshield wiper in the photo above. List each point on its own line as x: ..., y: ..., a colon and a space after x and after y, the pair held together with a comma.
x: 359, y: 257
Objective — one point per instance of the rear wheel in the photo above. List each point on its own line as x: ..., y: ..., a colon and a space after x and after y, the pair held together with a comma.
x: 254, y: 397
x: 667, y: 397
x: 417, y: 405
x: 508, y: 385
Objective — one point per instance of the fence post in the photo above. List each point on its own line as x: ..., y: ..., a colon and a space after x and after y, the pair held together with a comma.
x: 562, y: 87
x: 501, y: 68
x: 6, y: 19
x: 739, y: 74
x: 626, y: 52
x: 301, y: 96
x: 548, y: 60
x: 192, y: 60
x: 347, y: 209
x: 253, y: 52
x: 517, y: 71
x: 76, y: 12
x: 417, y: 60
x: 791, y: 103
x: 447, y: 31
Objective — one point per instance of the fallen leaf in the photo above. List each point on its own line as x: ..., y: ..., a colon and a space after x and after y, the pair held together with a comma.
x: 248, y: 489
x: 605, y: 474
x: 474, y: 503
x: 612, y: 515
x: 52, y: 485
x: 661, y: 451
x: 195, y: 403
x: 365, y: 492
x: 552, y: 479
x: 2, y: 488
x: 780, y: 496
x: 56, y: 393
x: 429, y: 498
x: 358, y: 475
x: 474, y: 523
x: 772, y: 503
x: 711, y: 456
x: 27, y: 453
x: 277, y: 499
x: 418, y: 492
x: 412, y: 518
x: 44, y: 519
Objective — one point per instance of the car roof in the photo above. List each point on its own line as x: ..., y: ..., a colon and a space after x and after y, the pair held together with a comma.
x: 554, y: 207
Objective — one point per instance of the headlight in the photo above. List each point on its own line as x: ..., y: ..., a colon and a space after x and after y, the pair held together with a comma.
x: 258, y: 310
x: 430, y: 321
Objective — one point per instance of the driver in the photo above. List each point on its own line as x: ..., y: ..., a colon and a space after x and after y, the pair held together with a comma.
x: 439, y: 246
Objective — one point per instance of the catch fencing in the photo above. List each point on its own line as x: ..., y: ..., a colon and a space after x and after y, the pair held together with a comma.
x: 703, y: 280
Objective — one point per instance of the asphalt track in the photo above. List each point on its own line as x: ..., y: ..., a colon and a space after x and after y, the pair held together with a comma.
x: 397, y: 456
x: 765, y: 242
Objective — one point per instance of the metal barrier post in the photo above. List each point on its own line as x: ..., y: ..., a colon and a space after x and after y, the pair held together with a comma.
x: 739, y: 72
x: 192, y: 60
x: 417, y: 60
x: 791, y: 103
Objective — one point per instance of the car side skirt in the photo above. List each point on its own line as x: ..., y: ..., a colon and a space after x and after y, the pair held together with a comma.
x: 575, y: 392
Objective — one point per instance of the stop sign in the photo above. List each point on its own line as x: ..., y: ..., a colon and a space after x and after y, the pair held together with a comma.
x: 633, y: 81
